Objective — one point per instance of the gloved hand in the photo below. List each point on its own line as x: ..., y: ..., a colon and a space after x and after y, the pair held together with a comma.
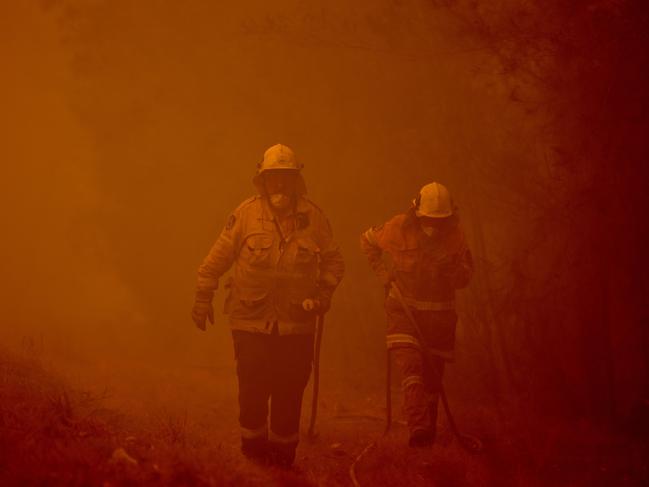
x: 386, y: 279
x: 201, y: 311
x: 317, y: 305
x: 310, y: 304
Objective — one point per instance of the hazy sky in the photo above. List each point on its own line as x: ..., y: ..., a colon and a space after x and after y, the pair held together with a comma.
x: 130, y: 130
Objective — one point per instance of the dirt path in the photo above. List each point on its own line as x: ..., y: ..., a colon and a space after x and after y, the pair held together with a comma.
x: 142, y: 424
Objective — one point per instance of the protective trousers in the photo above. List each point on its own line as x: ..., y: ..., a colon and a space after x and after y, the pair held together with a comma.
x: 276, y: 368
x: 421, y: 378
x: 421, y: 385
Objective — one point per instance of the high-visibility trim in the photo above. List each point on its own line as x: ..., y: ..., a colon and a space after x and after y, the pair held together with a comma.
x: 411, y: 380
x: 250, y: 434
x: 425, y: 305
x: 400, y: 338
x: 275, y: 438
x: 405, y: 339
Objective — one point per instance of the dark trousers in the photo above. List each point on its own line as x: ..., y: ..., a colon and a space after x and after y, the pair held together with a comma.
x: 421, y: 378
x: 276, y: 368
x: 421, y: 384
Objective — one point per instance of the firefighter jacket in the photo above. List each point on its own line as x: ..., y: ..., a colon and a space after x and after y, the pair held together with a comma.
x: 274, y: 270
x: 427, y: 271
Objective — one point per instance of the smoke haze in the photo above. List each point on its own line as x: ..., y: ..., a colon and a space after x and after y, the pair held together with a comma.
x: 131, y: 130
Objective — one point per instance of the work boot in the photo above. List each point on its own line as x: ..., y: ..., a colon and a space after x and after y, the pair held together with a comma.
x: 281, y: 455
x: 255, y: 449
x: 421, y: 438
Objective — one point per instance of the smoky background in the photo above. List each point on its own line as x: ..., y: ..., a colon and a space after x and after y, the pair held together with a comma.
x: 131, y: 131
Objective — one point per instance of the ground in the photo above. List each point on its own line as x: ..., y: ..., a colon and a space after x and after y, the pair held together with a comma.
x: 171, y: 429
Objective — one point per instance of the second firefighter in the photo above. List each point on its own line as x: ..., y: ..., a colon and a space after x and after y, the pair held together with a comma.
x: 428, y: 260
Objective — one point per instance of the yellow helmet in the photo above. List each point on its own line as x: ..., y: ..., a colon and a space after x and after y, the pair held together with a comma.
x: 279, y: 157
x: 433, y: 201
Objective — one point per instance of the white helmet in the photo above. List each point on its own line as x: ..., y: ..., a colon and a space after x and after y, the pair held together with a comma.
x: 279, y: 157
x: 433, y: 201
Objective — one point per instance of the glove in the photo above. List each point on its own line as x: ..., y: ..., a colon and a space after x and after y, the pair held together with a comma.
x: 202, y: 310
x: 386, y: 279
x: 310, y: 304
x: 319, y: 305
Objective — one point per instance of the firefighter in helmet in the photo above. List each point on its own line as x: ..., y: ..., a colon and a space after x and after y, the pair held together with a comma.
x: 286, y: 268
x: 427, y: 260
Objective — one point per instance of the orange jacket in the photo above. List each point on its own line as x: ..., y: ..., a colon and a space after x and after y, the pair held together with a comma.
x: 427, y: 269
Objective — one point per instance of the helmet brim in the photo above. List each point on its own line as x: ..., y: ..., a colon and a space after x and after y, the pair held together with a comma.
x: 418, y: 213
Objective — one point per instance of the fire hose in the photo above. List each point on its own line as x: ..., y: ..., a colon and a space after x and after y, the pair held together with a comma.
x: 468, y: 442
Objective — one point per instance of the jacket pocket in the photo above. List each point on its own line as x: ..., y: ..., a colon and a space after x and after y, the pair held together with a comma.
x: 257, y: 249
x: 306, y: 252
x: 249, y: 303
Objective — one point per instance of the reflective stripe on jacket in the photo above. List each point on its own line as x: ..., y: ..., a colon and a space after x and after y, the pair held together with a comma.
x: 427, y: 271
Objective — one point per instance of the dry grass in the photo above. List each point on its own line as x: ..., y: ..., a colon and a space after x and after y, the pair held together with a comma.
x: 52, y: 434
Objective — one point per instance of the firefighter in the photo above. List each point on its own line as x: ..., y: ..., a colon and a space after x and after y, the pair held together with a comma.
x: 286, y: 268
x: 424, y: 254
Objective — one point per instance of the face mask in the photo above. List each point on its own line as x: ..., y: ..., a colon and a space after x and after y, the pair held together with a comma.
x: 280, y: 201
